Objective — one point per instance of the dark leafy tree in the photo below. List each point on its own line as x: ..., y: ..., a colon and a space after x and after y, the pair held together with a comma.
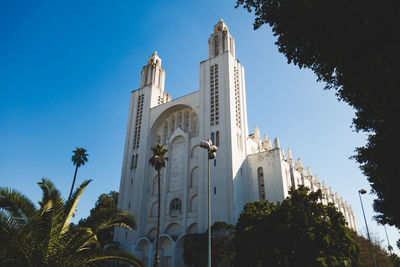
x: 79, y: 158
x: 299, y: 231
x: 31, y: 236
x: 223, y: 251
x: 383, y: 259
x: 352, y: 46
x: 195, y: 250
x: 106, y: 206
x: 158, y: 161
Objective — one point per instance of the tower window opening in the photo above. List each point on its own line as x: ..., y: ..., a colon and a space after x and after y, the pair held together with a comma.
x: 132, y: 161
x: 216, y: 46
x: 136, y: 159
x: 138, y: 123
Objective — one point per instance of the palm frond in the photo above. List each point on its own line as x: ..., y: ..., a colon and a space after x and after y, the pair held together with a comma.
x: 17, y: 204
x: 72, y: 204
x: 80, y: 156
x: 116, y: 255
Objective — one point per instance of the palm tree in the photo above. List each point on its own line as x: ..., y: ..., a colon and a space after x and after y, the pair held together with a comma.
x: 158, y: 161
x: 79, y: 158
x: 44, y: 236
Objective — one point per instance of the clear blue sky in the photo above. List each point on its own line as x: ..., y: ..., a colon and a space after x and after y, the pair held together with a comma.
x: 67, y: 69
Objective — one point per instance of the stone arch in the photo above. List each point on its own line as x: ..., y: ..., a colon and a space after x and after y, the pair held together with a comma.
x: 192, y: 229
x: 194, y: 203
x: 152, y: 233
x: 165, y: 251
x: 154, y: 209
x: 142, y: 250
x: 162, y: 125
x: 173, y: 229
x: 179, y: 252
x: 194, y: 177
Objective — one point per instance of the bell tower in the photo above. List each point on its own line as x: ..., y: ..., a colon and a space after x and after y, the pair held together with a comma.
x: 221, y: 41
x: 224, y: 120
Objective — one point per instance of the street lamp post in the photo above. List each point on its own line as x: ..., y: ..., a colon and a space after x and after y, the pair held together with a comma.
x: 389, y: 246
x: 362, y: 192
x: 211, y: 149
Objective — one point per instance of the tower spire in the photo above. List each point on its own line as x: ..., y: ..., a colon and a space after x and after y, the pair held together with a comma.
x: 153, y: 73
x: 221, y: 41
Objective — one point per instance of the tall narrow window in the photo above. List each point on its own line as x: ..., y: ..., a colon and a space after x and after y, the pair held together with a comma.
x: 165, y: 132
x: 214, y: 96
x: 138, y: 124
x: 216, y: 45
x: 136, y: 159
x: 217, y: 138
x: 132, y: 161
x: 213, y: 137
x: 261, y: 184
x: 180, y: 120
x: 237, y: 97
x: 186, y: 122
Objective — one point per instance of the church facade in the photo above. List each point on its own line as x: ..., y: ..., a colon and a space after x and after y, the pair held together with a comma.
x: 247, y: 167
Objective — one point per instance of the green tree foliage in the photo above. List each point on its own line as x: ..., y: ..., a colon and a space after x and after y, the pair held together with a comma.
x: 223, y: 252
x: 31, y: 236
x: 106, y: 206
x: 300, y: 231
x: 78, y: 158
x: 158, y: 161
x: 383, y: 259
x: 352, y: 46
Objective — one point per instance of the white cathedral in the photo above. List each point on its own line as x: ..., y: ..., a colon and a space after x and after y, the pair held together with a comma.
x: 246, y: 167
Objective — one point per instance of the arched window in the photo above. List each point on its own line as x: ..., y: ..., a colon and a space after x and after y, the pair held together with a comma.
x: 261, y: 184
x: 193, y: 203
x: 154, y: 209
x: 194, y: 177
x: 175, y: 207
x: 193, y: 153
